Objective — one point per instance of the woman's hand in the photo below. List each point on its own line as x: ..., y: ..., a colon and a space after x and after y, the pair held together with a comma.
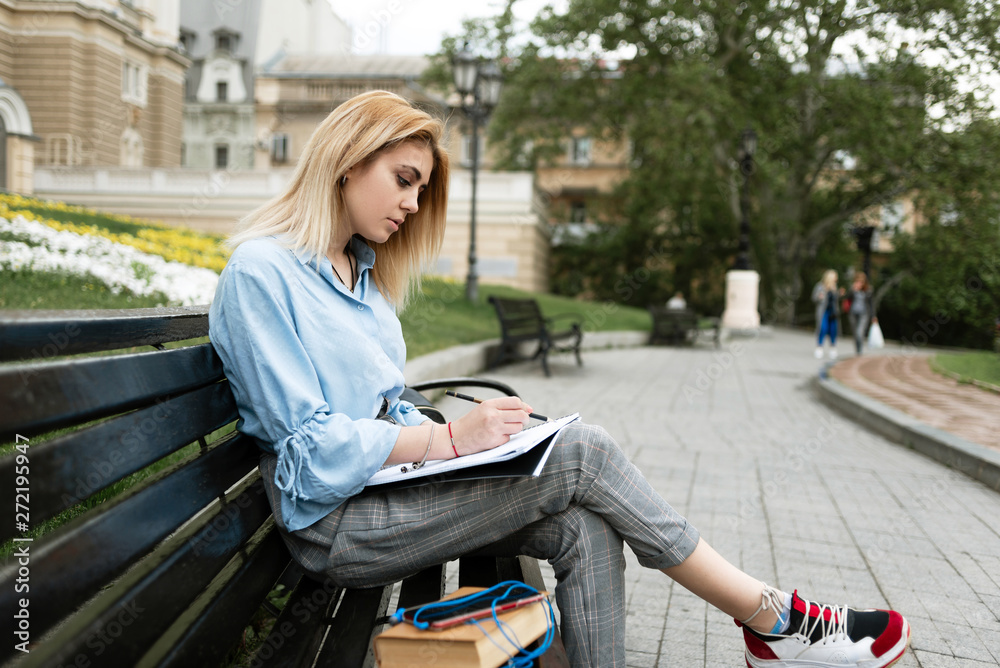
x: 489, y: 424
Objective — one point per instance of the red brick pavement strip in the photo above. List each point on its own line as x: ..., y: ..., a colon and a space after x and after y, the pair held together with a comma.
x: 908, y: 384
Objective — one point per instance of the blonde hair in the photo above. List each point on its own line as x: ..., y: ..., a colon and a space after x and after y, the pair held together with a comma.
x: 312, y: 205
x: 830, y: 279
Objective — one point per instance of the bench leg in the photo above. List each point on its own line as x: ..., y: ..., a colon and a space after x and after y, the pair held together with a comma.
x: 504, y: 350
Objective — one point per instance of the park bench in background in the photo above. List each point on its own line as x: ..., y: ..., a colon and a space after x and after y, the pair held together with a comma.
x: 681, y: 326
x: 172, y: 570
x: 521, y: 322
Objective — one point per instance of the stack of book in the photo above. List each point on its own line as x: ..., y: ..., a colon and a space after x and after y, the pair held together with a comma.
x: 480, y: 645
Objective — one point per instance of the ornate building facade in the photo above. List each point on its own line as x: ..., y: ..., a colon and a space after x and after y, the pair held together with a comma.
x: 101, y: 80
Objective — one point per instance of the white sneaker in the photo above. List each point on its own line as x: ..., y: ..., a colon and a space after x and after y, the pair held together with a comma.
x: 818, y: 354
x: 833, y: 353
x: 827, y: 636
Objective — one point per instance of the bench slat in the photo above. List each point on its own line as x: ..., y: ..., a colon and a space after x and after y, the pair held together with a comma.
x: 424, y: 587
x: 227, y: 608
x: 300, y: 629
x: 78, y: 560
x: 44, y: 334
x: 40, y: 397
x: 349, y: 642
x: 70, y: 468
x: 151, y: 597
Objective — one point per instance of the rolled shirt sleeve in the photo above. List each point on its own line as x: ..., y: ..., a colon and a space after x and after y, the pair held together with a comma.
x: 309, y: 364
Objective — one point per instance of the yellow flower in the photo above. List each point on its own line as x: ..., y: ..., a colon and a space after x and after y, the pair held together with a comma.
x: 179, y: 244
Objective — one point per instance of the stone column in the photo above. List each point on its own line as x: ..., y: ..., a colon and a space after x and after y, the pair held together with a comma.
x: 742, y: 290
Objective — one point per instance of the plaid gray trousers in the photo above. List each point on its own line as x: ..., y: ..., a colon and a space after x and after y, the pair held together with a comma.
x: 588, y: 501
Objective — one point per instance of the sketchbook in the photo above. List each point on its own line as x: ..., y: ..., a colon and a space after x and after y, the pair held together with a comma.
x: 523, y: 455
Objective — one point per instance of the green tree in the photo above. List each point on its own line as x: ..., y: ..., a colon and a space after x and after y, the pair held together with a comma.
x: 848, y: 115
x: 948, y: 271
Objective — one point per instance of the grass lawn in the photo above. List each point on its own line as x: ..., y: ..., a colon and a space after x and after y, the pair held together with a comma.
x: 982, y: 366
x: 441, y: 317
x: 26, y: 289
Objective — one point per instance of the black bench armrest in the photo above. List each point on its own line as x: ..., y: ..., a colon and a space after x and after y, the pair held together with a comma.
x: 572, y: 318
x: 441, y: 383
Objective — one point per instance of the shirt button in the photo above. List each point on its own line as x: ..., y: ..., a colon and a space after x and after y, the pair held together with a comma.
x: 361, y: 307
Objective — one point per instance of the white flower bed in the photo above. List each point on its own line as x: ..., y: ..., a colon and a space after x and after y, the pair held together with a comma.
x: 116, y: 265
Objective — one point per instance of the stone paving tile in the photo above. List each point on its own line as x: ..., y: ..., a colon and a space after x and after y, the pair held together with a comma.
x: 789, y: 490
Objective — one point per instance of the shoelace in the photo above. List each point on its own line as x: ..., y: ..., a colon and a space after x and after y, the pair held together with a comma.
x: 835, y: 627
x: 770, y: 599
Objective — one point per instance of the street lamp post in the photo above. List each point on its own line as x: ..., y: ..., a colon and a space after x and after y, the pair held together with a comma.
x: 742, y: 282
x: 748, y: 145
x: 863, y: 238
x: 478, y: 84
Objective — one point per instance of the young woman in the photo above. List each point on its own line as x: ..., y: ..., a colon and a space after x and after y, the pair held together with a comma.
x: 304, y: 321
x: 826, y: 296
x: 860, y: 310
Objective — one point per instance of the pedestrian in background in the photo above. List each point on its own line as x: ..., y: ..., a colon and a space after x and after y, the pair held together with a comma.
x: 677, y: 302
x: 826, y: 296
x: 859, y: 309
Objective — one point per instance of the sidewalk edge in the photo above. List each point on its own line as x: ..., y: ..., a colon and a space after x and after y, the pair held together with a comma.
x: 473, y: 358
x: 970, y: 458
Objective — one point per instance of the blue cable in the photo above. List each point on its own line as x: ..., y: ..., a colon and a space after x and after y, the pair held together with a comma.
x: 524, y: 658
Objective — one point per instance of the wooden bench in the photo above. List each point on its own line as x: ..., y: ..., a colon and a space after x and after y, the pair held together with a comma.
x: 183, y: 555
x: 681, y: 326
x: 521, y: 322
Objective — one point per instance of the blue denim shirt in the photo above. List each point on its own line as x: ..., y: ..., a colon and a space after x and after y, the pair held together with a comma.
x: 309, y: 363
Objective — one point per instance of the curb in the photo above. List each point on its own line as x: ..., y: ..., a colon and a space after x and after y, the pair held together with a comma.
x: 961, y: 379
x: 972, y: 459
x: 473, y: 358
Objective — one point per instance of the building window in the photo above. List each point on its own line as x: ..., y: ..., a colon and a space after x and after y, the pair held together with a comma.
x: 465, y: 156
x: 579, y: 151
x: 221, y: 91
x: 134, y: 83
x: 578, y: 211
x: 221, y: 156
x: 226, y: 40
x: 279, y: 147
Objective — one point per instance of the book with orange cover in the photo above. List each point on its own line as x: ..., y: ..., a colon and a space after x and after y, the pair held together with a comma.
x: 464, y: 645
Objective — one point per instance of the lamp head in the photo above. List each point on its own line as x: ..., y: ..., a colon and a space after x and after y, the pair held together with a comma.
x: 465, y: 69
x: 490, y: 83
x: 748, y: 142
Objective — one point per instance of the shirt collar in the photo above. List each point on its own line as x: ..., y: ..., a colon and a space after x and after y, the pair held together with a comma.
x: 364, y: 253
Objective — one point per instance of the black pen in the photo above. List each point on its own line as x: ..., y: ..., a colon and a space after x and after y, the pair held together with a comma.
x: 459, y: 395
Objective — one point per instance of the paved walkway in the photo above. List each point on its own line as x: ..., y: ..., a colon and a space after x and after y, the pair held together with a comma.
x: 788, y: 489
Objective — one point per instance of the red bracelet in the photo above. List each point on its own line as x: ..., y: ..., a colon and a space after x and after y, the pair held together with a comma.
x: 452, y: 441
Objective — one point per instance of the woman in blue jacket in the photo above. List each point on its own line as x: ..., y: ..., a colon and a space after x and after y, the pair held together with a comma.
x: 826, y: 295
